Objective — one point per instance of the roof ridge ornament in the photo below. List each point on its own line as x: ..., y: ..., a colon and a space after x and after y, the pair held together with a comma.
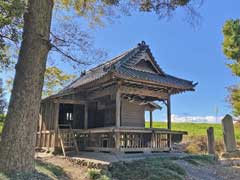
x: 142, y: 44
x: 83, y: 73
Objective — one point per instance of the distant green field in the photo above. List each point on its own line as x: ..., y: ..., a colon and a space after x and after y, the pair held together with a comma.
x: 193, y: 129
x: 196, y: 129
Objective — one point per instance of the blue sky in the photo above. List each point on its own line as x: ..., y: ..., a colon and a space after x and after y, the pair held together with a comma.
x: 181, y: 50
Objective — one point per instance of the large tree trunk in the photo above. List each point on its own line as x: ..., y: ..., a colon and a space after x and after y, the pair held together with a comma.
x: 19, y: 133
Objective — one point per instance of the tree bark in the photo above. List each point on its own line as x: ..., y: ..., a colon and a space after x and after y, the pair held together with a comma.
x: 17, y: 146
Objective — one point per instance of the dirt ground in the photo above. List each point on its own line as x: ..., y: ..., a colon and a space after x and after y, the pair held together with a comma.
x: 203, y: 172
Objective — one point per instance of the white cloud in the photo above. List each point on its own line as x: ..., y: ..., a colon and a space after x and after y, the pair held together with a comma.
x: 196, y: 119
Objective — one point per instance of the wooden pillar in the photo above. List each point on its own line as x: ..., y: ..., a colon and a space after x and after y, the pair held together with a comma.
x: 118, y: 109
x: 211, y: 141
x: 86, y: 116
x: 117, y: 141
x: 169, y: 123
x: 150, y: 113
x: 56, y: 118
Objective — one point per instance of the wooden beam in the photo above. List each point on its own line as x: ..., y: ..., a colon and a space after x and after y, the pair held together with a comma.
x: 169, y: 123
x: 69, y: 101
x: 124, y: 78
x: 86, y: 116
x: 111, y: 90
x: 143, y: 92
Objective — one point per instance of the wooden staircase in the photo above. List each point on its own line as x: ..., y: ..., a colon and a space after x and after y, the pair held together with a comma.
x: 67, y: 138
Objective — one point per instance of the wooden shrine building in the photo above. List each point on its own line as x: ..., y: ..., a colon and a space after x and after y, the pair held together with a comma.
x: 104, y: 109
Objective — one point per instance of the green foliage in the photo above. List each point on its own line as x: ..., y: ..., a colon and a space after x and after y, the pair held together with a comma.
x: 235, y: 67
x: 11, y: 13
x: 231, y: 48
x: 234, y: 99
x: 97, y: 10
x: 54, y: 80
x: 231, y: 43
x: 98, y: 174
x: 94, y: 174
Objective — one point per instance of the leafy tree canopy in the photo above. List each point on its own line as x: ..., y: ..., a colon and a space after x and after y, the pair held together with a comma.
x: 231, y: 43
x: 54, y: 80
x: 11, y: 12
x: 231, y: 49
x: 234, y: 99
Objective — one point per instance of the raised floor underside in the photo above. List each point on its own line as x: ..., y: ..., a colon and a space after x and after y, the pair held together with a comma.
x: 110, y: 139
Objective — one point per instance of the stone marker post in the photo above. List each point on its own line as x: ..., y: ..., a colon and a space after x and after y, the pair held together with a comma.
x: 211, y: 141
x: 228, y: 134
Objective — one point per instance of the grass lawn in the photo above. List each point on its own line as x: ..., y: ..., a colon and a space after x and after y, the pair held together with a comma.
x: 197, y: 129
x: 43, y: 171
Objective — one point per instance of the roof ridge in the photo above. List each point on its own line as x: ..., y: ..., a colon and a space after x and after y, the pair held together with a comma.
x: 112, y: 59
x: 116, y: 58
x: 124, y: 65
x: 142, y: 48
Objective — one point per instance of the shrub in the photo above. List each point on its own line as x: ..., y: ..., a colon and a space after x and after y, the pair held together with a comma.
x: 193, y: 148
x: 94, y: 174
x: 196, y: 145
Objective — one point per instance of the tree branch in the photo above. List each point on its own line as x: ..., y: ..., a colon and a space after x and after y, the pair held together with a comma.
x: 6, y: 37
x: 69, y: 56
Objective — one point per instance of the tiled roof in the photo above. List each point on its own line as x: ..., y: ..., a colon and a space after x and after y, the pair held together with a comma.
x: 123, y: 65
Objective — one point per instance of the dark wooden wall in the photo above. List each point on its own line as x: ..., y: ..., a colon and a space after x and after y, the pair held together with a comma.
x: 101, y: 113
x: 77, y: 111
x: 47, y: 110
x: 132, y: 114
